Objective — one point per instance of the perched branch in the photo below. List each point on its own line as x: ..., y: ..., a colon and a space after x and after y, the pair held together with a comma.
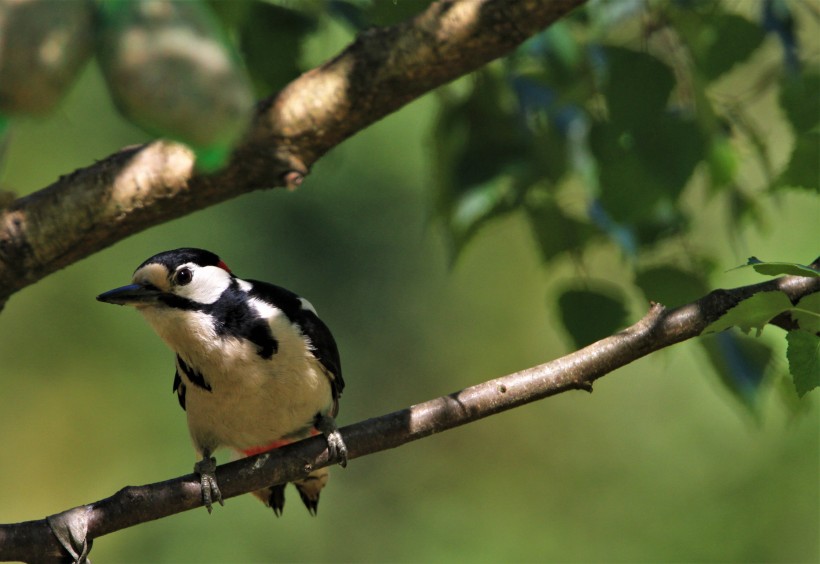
x: 130, y: 506
x: 138, y: 187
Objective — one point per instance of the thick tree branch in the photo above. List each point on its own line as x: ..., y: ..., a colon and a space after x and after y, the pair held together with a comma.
x: 130, y: 506
x: 384, y: 69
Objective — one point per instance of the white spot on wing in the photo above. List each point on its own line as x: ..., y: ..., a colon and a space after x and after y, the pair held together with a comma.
x: 307, y: 305
x: 264, y: 309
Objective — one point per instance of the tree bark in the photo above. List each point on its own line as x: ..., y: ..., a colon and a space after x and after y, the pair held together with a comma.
x: 139, y: 187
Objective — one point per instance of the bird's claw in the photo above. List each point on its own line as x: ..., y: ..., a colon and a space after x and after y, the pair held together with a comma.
x: 336, y: 447
x: 206, y: 468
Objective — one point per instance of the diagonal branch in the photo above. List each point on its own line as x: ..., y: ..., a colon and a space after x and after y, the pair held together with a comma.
x: 660, y: 328
x: 138, y: 187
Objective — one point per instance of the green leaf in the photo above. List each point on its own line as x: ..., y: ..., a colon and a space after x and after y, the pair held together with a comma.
x: 807, y: 313
x: 638, y: 86
x: 645, y: 155
x: 780, y: 268
x: 271, y: 43
x: 554, y: 231
x: 641, y: 169
x: 799, y: 95
x: 379, y: 13
x: 803, y: 354
x: 803, y: 170
x: 741, y: 364
x: 671, y: 286
x: 752, y: 313
x: 723, y: 41
x: 482, y: 161
x: 477, y: 206
x: 591, y: 315
x: 723, y: 161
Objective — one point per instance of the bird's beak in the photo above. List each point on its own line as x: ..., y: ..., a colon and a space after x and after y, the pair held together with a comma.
x: 133, y: 294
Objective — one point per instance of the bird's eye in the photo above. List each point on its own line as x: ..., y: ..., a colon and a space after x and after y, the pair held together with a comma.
x: 183, y: 276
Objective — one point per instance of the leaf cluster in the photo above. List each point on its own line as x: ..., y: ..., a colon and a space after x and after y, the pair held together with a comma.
x: 803, y: 327
x: 597, y: 139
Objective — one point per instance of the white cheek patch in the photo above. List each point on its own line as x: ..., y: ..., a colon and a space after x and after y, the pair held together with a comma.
x: 207, y: 284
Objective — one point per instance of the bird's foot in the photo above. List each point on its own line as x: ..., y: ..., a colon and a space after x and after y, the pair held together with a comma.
x: 336, y: 448
x: 206, y: 468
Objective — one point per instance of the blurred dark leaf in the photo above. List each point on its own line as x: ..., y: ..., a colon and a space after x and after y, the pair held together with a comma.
x: 722, y: 41
x: 591, y: 315
x: 637, y: 87
x: 804, y: 360
x: 671, y: 286
x: 230, y: 14
x: 803, y: 170
x: 639, y: 170
x: 493, y: 139
x: 800, y: 100
x: 361, y: 14
x: 539, y: 125
x: 555, y: 232
x: 271, y: 42
x: 483, y: 159
x: 740, y: 362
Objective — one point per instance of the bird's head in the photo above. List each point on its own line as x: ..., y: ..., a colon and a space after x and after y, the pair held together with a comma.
x: 183, y: 279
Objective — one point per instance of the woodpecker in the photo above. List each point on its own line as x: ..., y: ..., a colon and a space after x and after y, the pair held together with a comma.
x: 256, y: 368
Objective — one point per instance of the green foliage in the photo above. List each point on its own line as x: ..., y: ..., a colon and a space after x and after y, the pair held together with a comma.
x: 271, y: 43
x: 597, y: 139
x: 804, y: 360
x: 592, y: 314
x: 806, y: 313
x: 740, y: 362
x: 752, y: 313
x: 554, y: 230
x: 756, y: 311
x: 671, y: 285
x: 780, y: 268
x: 717, y: 41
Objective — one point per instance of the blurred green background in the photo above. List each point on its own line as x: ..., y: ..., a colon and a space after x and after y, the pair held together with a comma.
x: 660, y: 463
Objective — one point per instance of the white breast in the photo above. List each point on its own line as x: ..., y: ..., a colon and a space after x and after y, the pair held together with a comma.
x: 252, y: 401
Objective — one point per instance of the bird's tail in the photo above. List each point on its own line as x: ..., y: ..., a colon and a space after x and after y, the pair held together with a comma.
x: 309, y: 489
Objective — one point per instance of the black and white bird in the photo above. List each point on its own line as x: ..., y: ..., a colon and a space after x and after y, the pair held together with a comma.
x: 255, y: 366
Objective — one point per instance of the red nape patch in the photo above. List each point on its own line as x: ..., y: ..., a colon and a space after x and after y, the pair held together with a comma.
x: 221, y: 264
x: 275, y: 444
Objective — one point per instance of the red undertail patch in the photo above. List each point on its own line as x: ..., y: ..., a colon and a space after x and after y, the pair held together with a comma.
x: 275, y: 444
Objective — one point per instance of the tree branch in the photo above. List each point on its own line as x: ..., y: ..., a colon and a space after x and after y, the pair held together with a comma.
x: 660, y: 328
x: 138, y: 187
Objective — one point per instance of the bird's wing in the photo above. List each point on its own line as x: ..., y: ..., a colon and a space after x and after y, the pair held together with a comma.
x: 300, y: 312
